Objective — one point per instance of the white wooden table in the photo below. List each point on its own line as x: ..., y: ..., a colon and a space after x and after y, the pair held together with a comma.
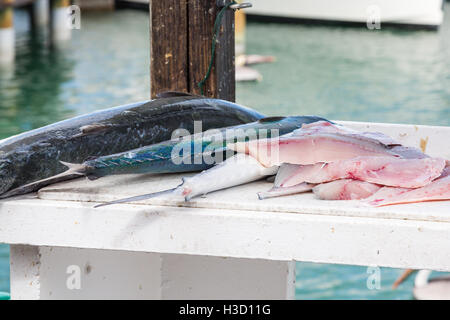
x: 226, y: 245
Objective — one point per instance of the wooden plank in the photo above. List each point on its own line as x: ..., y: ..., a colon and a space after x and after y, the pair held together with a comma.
x: 71, y: 273
x: 228, y: 233
x: 244, y: 197
x: 168, y: 46
x: 234, y: 223
x: 25, y: 272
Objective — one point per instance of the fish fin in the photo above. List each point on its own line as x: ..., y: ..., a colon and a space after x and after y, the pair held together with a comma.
x: 270, y: 119
x: 91, y: 129
x: 74, y: 171
x: 137, y: 198
x: 173, y: 94
x: 285, y: 171
x: 90, y: 158
x: 75, y: 168
x: 280, y: 191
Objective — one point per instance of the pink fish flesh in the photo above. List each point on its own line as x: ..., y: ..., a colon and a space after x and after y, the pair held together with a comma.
x: 437, y: 190
x: 312, y: 147
x: 346, y: 189
x: 326, y: 127
x: 388, y: 171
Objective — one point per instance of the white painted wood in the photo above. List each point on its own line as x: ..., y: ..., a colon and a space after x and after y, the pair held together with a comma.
x: 61, y: 30
x: 433, y: 138
x: 7, y: 45
x: 197, y: 277
x: 50, y: 273
x: 70, y: 273
x: 277, y: 236
x: 25, y: 269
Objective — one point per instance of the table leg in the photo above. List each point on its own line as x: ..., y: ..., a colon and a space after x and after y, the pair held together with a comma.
x: 70, y: 273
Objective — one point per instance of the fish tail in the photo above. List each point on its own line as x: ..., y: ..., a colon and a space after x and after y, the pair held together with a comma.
x: 75, y: 168
x: 73, y: 171
x: 139, y: 198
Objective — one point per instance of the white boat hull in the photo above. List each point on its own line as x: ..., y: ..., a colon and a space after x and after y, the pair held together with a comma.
x: 410, y: 12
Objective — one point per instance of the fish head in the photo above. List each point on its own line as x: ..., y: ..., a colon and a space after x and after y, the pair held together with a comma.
x: 7, y: 175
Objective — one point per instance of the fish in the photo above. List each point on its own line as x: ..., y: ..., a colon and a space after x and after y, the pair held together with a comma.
x: 438, y: 190
x: 319, y: 142
x: 417, y: 168
x: 388, y: 171
x: 345, y: 189
x: 285, y: 191
x: 285, y: 171
x: 37, y: 154
x: 184, y: 154
x: 237, y: 170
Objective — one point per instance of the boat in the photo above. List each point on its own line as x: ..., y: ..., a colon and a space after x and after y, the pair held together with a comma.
x: 376, y: 13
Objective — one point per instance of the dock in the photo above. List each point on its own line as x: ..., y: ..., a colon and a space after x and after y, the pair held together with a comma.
x: 226, y: 245
x: 57, y: 18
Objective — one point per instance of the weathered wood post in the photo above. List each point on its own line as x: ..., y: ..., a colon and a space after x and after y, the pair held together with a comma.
x: 7, y: 36
x: 181, y: 33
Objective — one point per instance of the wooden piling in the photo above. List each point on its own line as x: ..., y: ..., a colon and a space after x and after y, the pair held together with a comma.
x: 39, y: 13
x: 6, y: 14
x: 60, y: 3
x: 7, y: 36
x: 181, y: 34
x: 59, y: 29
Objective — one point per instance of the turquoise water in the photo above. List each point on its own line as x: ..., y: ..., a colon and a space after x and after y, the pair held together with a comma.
x: 339, y: 73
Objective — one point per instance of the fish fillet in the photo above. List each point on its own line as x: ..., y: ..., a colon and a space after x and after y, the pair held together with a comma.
x: 327, y: 127
x: 439, y: 189
x: 311, y: 149
x: 346, y: 189
x: 387, y: 171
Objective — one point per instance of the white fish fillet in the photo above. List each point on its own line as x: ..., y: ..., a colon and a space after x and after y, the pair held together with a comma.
x: 346, y: 189
x: 437, y: 190
x: 388, y: 171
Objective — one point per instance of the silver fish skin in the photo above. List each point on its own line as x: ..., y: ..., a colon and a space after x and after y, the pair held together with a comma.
x: 237, y: 170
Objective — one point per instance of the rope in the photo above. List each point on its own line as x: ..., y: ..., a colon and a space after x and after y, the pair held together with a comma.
x: 217, y: 24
